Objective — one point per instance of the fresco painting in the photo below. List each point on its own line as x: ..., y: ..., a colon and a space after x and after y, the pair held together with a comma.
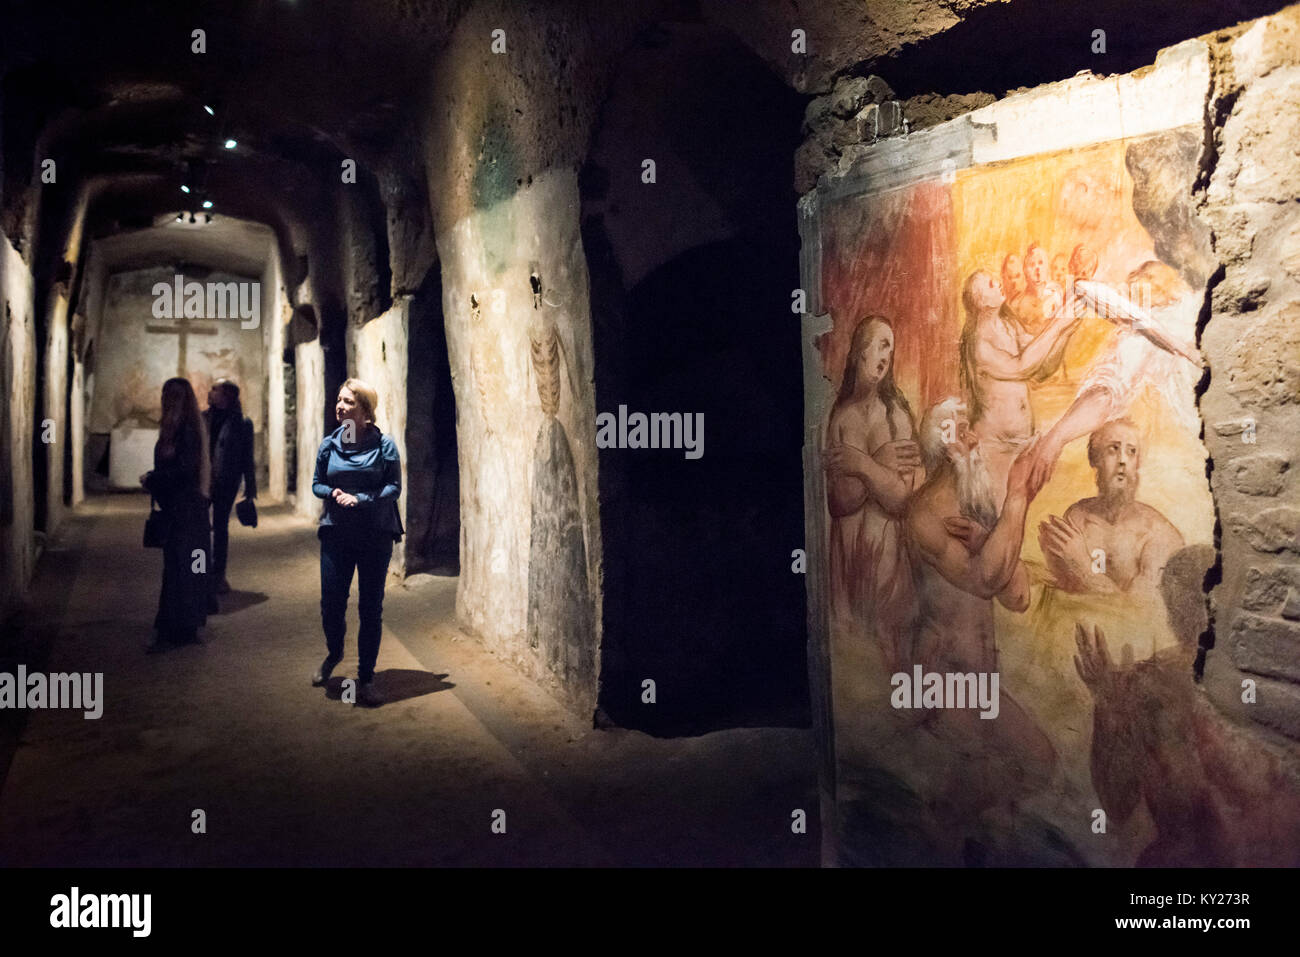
x: 1019, y: 522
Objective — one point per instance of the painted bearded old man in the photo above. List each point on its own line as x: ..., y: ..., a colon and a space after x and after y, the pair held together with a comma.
x: 966, y: 553
x: 872, y: 464
x: 1133, y: 540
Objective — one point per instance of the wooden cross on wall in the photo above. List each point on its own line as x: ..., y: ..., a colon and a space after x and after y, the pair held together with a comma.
x: 184, y: 330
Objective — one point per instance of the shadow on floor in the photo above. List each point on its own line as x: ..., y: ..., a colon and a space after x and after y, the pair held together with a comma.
x: 234, y: 601
x: 395, y: 684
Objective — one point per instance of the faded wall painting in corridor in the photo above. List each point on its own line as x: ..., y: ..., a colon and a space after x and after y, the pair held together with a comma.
x: 1018, y: 523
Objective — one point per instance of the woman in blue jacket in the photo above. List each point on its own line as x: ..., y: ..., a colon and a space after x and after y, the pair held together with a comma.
x: 359, y: 475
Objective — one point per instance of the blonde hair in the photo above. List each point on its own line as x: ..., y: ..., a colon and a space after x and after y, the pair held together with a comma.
x: 365, y: 394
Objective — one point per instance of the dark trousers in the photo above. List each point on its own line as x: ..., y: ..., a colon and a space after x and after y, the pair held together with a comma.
x: 368, y: 552
x: 223, y: 500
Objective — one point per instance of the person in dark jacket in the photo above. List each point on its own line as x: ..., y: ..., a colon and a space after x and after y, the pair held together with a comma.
x: 359, y: 475
x: 179, y: 483
x: 230, y: 437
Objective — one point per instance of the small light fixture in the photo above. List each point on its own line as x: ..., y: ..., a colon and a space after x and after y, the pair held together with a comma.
x: 210, y: 110
x: 207, y: 204
x: 180, y: 217
x: 185, y: 189
x: 231, y: 144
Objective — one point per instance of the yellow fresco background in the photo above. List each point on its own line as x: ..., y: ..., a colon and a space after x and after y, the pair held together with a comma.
x: 1058, y: 201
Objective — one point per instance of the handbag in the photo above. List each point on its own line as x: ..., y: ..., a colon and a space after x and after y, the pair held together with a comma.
x: 156, y: 526
x: 246, y: 512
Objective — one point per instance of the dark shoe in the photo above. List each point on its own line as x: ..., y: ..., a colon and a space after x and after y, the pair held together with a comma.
x: 323, y: 673
x: 367, y: 696
x: 223, y: 588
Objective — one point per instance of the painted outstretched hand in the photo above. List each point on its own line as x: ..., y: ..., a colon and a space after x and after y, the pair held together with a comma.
x: 1093, y: 662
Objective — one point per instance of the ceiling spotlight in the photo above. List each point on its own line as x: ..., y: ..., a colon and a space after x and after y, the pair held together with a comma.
x: 207, y: 204
x: 185, y: 189
x: 210, y: 110
x: 191, y: 217
x: 231, y: 144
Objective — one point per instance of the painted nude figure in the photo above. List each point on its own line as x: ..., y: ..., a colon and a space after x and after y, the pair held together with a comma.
x: 1155, y: 347
x: 998, y: 361
x: 873, y: 464
x: 966, y: 554
x: 1110, y: 543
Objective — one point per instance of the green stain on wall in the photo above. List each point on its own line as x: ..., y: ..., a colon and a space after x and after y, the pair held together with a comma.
x: 493, y: 184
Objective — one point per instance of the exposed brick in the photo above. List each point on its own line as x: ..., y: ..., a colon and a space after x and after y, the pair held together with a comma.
x: 1262, y: 474
x: 816, y: 113
x: 849, y: 95
x: 1277, y: 705
x: 1266, y: 646
x: 1263, y: 368
x: 1292, y: 607
x: 1265, y: 590
x: 1230, y: 427
x: 891, y: 118
x: 867, y: 123
x: 1270, y: 530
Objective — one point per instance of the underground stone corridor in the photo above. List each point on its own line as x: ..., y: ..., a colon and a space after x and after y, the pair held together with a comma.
x: 289, y: 775
x: 793, y: 433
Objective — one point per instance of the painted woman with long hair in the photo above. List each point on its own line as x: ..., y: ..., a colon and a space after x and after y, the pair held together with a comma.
x: 179, y: 484
x: 873, y: 464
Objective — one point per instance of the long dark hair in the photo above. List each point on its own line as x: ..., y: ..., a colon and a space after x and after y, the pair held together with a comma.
x: 182, y: 424
x: 886, y: 388
x: 967, y: 344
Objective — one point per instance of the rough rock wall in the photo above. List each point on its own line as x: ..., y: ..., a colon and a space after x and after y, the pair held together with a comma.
x: 504, y: 134
x: 54, y: 408
x: 276, y: 311
x: 838, y: 33
x: 1251, y: 407
x: 17, y: 388
x: 1248, y: 195
x: 380, y: 350
x: 309, y: 377
x: 86, y: 347
x: 492, y: 315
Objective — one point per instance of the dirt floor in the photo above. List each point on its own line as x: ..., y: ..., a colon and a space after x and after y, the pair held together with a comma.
x: 288, y: 774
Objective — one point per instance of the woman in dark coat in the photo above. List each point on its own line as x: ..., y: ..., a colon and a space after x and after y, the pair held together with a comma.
x: 230, y: 442
x: 179, y: 484
x: 359, y: 475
